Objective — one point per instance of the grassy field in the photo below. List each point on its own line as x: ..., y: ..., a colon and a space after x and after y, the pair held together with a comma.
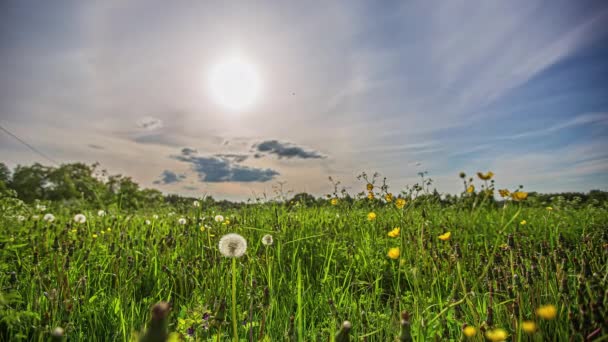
x: 513, y: 270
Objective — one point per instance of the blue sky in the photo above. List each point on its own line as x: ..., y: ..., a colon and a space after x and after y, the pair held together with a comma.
x: 516, y: 87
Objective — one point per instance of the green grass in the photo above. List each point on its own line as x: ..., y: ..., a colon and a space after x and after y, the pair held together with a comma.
x: 327, y: 264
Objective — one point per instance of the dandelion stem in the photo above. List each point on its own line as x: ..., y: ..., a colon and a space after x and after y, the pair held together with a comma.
x: 235, y: 331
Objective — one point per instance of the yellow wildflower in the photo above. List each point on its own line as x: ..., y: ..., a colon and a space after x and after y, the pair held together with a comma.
x: 94, y: 236
x: 202, y: 228
x: 469, y: 331
x: 371, y: 216
x: 528, y: 326
x: 388, y: 197
x: 547, y: 312
x: 400, y: 203
x: 519, y: 195
x: 74, y: 231
x: 549, y: 208
x: 370, y: 195
x: 523, y: 222
x: 393, y: 253
x: 109, y: 229
x: 445, y: 236
x: 471, y: 188
x: 497, y: 335
x: 370, y: 187
x: 504, y: 193
x: 395, y: 232
x: 334, y: 201
x: 485, y: 176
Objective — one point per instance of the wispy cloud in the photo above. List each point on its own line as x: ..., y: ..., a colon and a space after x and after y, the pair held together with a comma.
x: 585, y: 119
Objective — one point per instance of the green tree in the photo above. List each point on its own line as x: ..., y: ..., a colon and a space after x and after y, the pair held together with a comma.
x: 30, y: 182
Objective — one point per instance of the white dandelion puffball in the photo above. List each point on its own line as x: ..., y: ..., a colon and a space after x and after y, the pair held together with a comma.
x: 80, y: 218
x: 267, y: 240
x: 182, y: 221
x: 219, y: 218
x: 49, y: 217
x: 101, y: 213
x: 196, y: 204
x: 148, y: 222
x: 233, y: 245
x: 40, y: 207
x: 20, y: 218
x: 155, y: 217
x: 171, y: 214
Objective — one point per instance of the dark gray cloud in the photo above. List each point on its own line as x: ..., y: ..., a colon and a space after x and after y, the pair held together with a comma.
x: 187, y: 151
x: 96, y: 147
x: 190, y: 187
x: 170, y: 177
x: 225, y: 168
x: 285, y: 150
x: 149, y: 123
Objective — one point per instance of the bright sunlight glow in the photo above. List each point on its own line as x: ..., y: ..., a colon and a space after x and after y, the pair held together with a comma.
x: 234, y: 84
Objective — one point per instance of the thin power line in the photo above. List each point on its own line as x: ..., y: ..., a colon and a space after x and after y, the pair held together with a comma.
x: 29, y: 146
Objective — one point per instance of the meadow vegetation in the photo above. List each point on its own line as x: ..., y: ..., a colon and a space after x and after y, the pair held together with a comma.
x: 85, y: 256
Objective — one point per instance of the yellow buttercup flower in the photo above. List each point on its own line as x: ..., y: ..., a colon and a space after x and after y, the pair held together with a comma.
x: 371, y: 216
x: 445, y: 236
x: 547, y: 312
x: 395, y: 232
x: 393, y: 253
x: 370, y: 187
x: 202, y: 228
x: 523, y: 222
x: 497, y: 335
x: 471, y: 188
x: 519, y: 195
x: 504, y: 193
x: 400, y: 203
x: 94, y: 236
x: 485, y: 176
x: 388, y: 197
x: 370, y: 195
x: 109, y: 229
x: 528, y: 326
x: 549, y: 208
x: 469, y: 331
x: 334, y: 201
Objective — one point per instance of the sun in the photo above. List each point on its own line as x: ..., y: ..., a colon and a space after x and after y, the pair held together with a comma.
x: 235, y: 84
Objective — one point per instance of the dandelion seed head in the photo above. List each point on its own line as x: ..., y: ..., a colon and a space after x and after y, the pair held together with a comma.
x: 182, y: 221
x: 196, y: 204
x: 80, y: 218
x: 101, y: 213
x: 267, y: 240
x: 57, y: 332
x: 49, y: 217
x: 233, y: 245
x: 148, y: 222
x: 219, y: 218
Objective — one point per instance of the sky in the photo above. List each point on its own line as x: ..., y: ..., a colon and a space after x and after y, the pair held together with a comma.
x: 396, y: 87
